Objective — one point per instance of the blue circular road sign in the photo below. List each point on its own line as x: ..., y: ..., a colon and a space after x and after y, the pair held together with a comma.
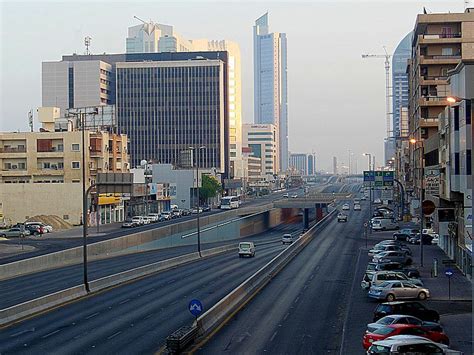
x: 195, y: 307
x: 449, y: 272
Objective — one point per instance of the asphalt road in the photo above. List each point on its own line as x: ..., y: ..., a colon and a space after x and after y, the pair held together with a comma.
x: 303, y: 309
x: 28, y: 287
x: 50, y: 245
x: 137, y: 317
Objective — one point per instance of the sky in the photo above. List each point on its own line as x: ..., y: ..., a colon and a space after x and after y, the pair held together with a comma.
x: 336, y: 98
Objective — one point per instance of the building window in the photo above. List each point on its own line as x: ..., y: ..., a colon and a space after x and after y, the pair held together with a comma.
x: 468, y: 162
x: 76, y: 165
x: 456, y: 164
x: 75, y: 147
x: 60, y: 147
x: 75, y: 181
x: 468, y: 111
x: 456, y: 118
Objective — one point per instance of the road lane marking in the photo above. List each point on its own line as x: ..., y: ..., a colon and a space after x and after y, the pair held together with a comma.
x: 22, y: 332
x: 125, y: 301
x: 150, y: 290
x: 114, y: 335
x: 273, y: 336
x: 92, y: 315
x: 52, y: 333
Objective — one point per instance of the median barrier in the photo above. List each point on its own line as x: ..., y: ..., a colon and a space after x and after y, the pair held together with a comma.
x: 25, y: 309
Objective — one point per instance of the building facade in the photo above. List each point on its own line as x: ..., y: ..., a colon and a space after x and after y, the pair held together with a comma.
x: 270, y: 83
x: 298, y: 163
x: 262, y: 139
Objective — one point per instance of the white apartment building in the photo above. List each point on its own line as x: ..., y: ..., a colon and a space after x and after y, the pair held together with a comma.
x: 262, y: 139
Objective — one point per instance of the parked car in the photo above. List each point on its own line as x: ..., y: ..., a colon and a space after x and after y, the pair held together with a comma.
x: 397, y: 243
x: 377, y: 278
x: 46, y: 227
x: 246, y: 249
x: 166, y: 215
x: 13, y: 232
x: 130, y: 223
x: 397, y: 256
x: 409, y: 344
x: 176, y: 213
x: 154, y: 217
x: 363, y: 198
x: 357, y: 207
x: 403, y: 319
x: 146, y: 219
x: 388, y: 247
x: 404, y: 234
x: 394, y: 266
x: 377, y: 201
x: 384, y: 224
x: 341, y: 217
x: 403, y: 329
x: 34, y: 229
x: 195, y: 210
x: 346, y: 207
x: 206, y: 208
x: 294, y: 196
x: 392, y: 290
x: 286, y: 195
x: 287, y: 238
x: 415, y: 239
x: 139, y: 220
x: 411, y: 308
x: 186, y: 212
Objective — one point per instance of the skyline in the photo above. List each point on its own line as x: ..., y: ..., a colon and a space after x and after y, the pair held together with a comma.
x: 316, y: 83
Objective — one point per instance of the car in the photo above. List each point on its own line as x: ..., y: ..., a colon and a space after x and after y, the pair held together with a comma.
x: 166, y: 215
x: 394, y: 266
x: 139, y: 220
x: 377, y: 201
x: 206, y: 208
x: 383, y: 224
x: 435, y: 240
x: 403, y: 329
x: 411, y: 308
x: 415, y: 239
x: 196, y: 211
x: 154, y: 217
x: 130, y: 223
x: 403, y: 319
x: 409, y: 344
x: 287, y: 238
x: 146, y: 219
x: 346, y: 207
x: 46, y: 227
x: 341, y: 217
x: 398, y: 256
x: 246, y: 249
x: 286, y: 195
x: 176, y: 213
x: 404, y: 234
x: 13, y: 232
x: 397, y: 243
x: 294, y: 196
x: 186, y: 212
x: 392, y: 290
x: 363, y: 198
x: 34, y: 229
x: 376, y: 278
x: 388, y: 247
x: 357, y: 207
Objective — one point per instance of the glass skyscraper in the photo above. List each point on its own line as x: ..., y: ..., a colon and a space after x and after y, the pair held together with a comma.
x: 270, y: 83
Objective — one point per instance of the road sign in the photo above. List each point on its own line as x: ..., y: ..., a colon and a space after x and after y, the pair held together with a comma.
x: 428, y: 207
x: 195, y: 307
x: 449, y: 272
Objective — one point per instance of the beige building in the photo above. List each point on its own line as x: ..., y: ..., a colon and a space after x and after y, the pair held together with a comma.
x: 41, y: 173
x: 262, y: 139
x: 440, y: 42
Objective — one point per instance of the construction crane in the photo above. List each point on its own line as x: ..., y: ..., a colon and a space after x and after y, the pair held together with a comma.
x: 387, y: 57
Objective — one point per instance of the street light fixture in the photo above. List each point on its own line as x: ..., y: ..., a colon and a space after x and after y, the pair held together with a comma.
x: 197, y: 191
x: 455, y: 99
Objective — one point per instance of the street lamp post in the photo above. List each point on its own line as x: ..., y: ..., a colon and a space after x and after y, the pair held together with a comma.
x: 421, y: 193
x: 197, y: 151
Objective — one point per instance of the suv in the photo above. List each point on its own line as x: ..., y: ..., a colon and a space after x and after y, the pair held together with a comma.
x: 410, y: 308
x: 341, y: 217
x: 246, y: 249
x: 287, y: 238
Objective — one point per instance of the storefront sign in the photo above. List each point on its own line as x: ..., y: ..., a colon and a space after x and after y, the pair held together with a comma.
x: 432, y: 182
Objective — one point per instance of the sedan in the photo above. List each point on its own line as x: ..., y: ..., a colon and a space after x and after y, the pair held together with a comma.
x: 129, y: 223
x: 13, y: 232
x: 46, y: 227
x: 294, y: 196
x: 345, y: 207
x: 403, y: 329
x: 396, y: 256
x: 404, y: 234
x: 387, y: 247
x: 392, y: 290
x: 403, y: 319
x: 415, y: 239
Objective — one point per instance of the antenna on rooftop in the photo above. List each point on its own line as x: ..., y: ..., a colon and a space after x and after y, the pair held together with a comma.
x: 87, y: 43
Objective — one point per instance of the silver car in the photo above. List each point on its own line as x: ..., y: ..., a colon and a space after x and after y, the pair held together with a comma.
x: 390, y: 256
x: 387, y: 247
x: 13, y: 232
x: 375, y: 278
x: 392, y: 290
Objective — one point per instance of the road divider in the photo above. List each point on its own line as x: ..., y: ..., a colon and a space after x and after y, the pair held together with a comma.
x: 29, y: 308
x: 225, y: 308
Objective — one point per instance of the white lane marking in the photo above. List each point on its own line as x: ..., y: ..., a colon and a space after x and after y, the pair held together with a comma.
x: 125, y: 301
x: 114, y: 335
x: 93, y: 315
x: 297, y: 298
x: 273, y: 336
x: 150, y: 290
x: 22, y: 332
x: 52, y: 333
x: 286, y: 316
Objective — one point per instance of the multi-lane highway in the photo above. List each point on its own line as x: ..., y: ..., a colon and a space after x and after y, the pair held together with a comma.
x: 136, y: 318
x: 303, y: 309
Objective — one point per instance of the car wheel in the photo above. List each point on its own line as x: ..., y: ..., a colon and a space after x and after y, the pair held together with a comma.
x: 390, y: 297
x: 422, y: 296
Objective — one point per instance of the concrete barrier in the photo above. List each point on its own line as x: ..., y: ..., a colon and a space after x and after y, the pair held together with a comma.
x: 245, y: 291
x: 28, y: 308
x: 37, y: 305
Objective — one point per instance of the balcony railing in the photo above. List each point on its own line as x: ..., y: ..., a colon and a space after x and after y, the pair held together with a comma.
x: 441, y: 56
x: 441, y: 35
x: 50, y: 150
x: 434, y: 77
x: 13, y: 150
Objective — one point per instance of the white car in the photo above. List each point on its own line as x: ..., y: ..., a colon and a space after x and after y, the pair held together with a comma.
x: 378, y: 201
x: 357, y: 207
x: 287, y: 238
x: 154, y: 217
x: 294, y: 196
x: 146, y: 219
x: 341, y: 217
x: 346, y: 207
x: 409, y: 344
x: 139, y: 220
x: 246, y: 249
x: 286, y: 195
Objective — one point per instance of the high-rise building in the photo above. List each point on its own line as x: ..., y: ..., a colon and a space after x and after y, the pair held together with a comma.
x: 311, y: 164
x: 334, y: 165
x: 400, y: 81
x: 262, y: 139
x: 298, y: 162
x: 270, y: 83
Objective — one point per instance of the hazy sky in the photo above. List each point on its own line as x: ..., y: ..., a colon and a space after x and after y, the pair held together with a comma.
x: 336, y: 99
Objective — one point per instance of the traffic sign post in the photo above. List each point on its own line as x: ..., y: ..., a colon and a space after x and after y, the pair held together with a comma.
x: 195, y: 307
x: 449, y: 273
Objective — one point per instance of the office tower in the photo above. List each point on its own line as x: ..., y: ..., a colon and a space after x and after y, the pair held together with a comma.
x: 334, y: 165
x: 270, y: 83
x: 263, y: 141
x: 298, y: 163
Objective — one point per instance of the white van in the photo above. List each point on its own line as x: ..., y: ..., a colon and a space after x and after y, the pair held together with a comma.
x: 246, y: 249
x: 382, y: 224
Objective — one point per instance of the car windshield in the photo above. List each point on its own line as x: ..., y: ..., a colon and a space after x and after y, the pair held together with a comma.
x: 383, y: 331
x: 379, y: 350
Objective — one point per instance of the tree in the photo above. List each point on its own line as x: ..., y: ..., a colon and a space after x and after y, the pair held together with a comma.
x: 210, y: 187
